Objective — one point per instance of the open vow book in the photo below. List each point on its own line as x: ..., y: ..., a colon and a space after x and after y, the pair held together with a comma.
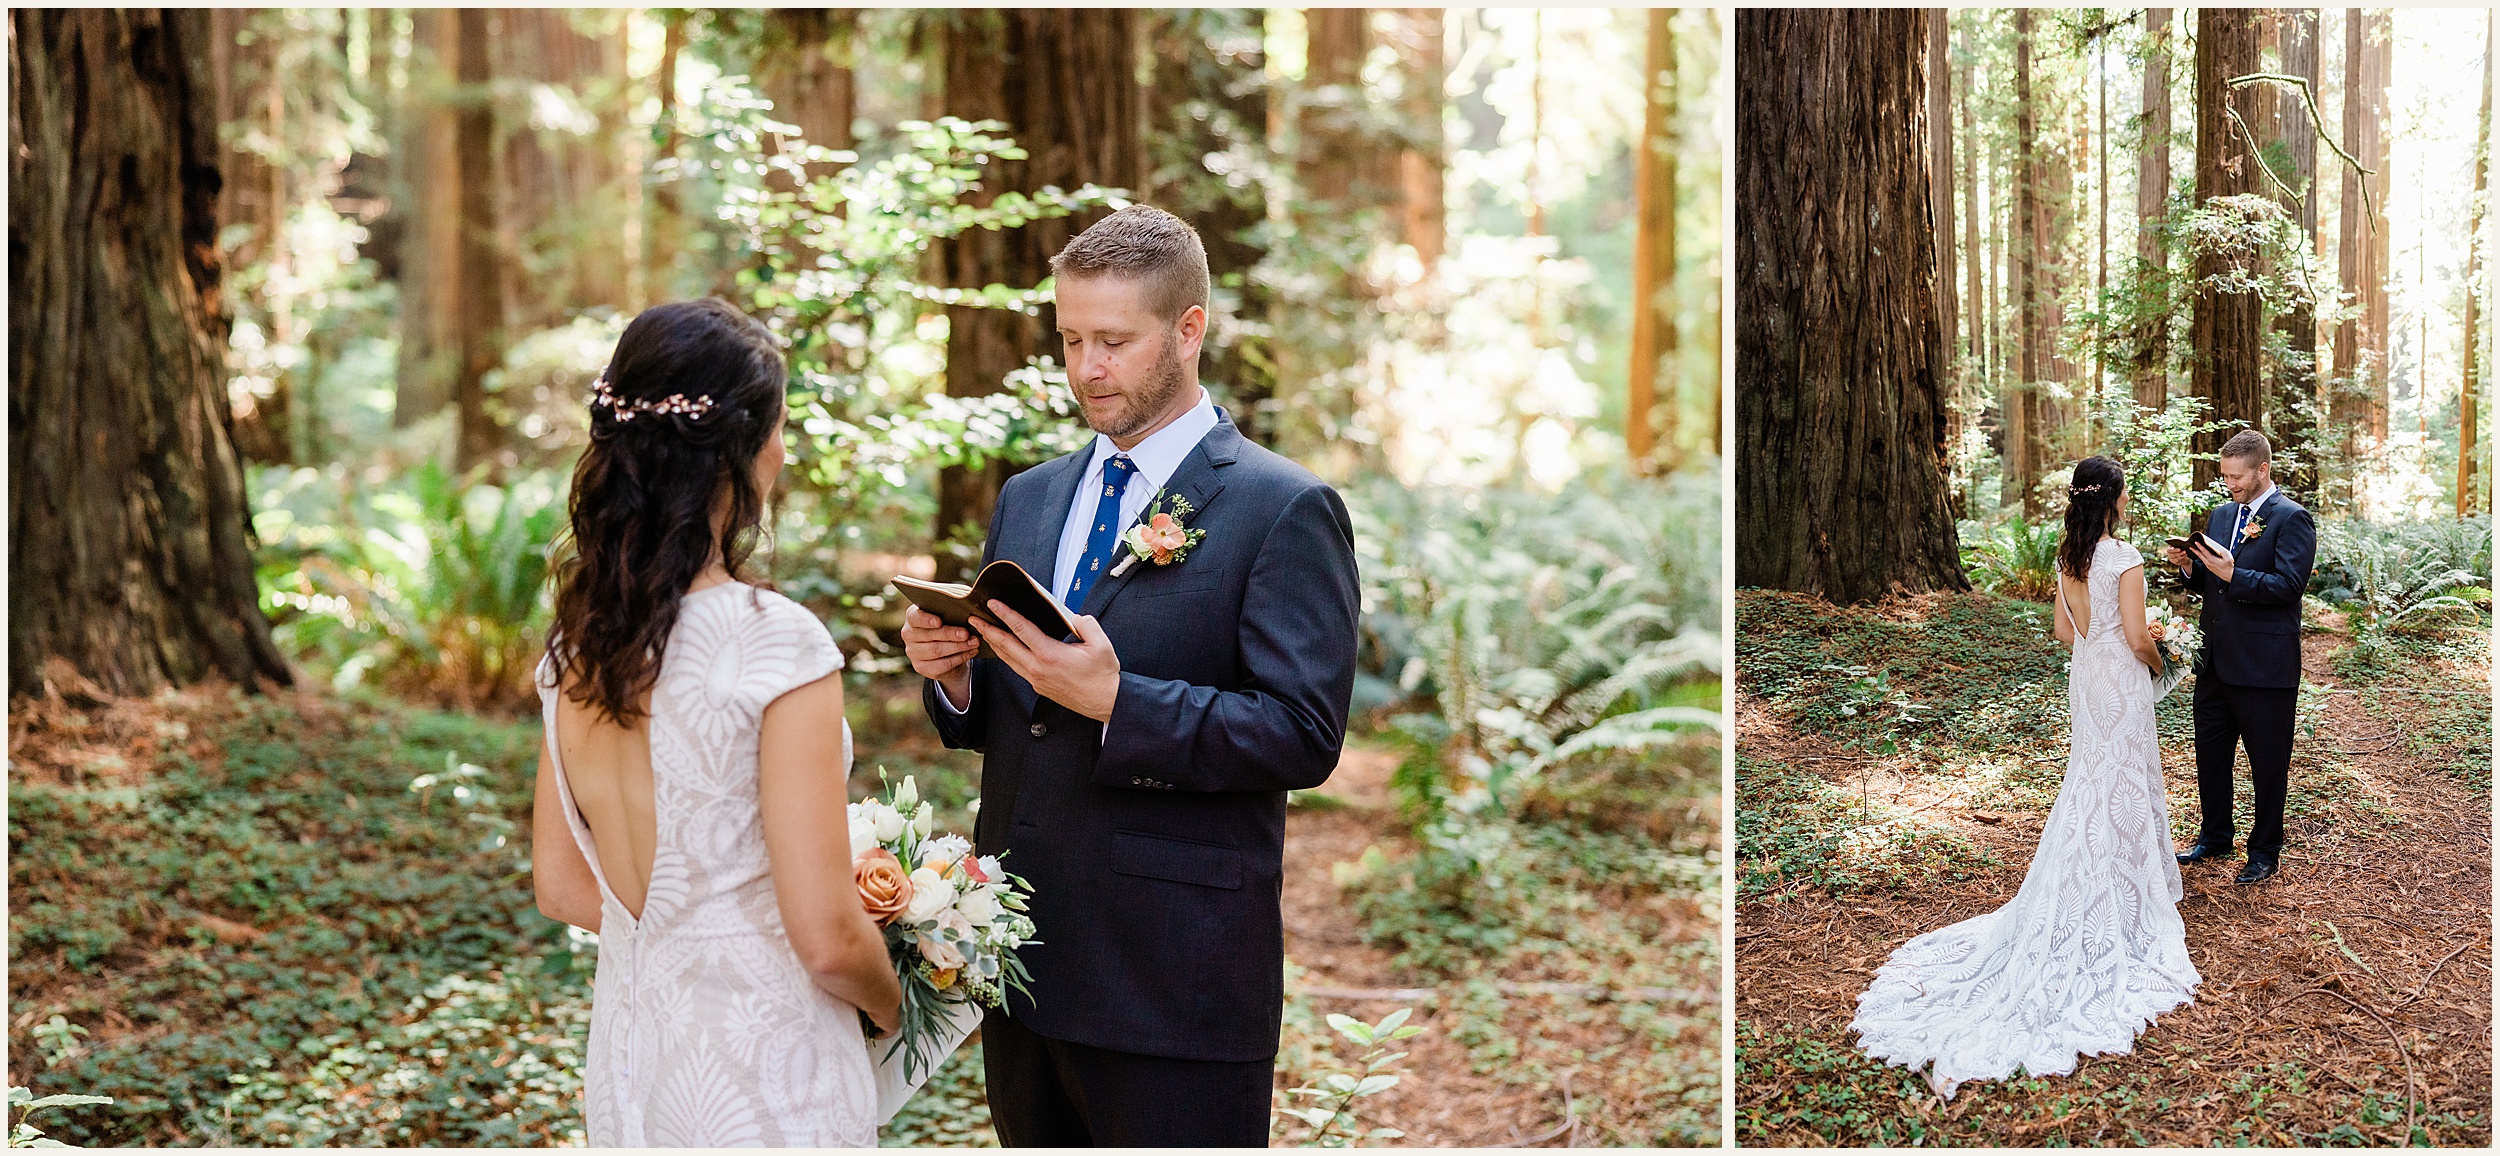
x: 1003, y: 581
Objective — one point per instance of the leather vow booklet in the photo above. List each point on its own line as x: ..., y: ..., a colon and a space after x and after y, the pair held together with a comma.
x: 1002, y: 580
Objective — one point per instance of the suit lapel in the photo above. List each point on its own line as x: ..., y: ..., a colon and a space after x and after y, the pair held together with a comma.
x: 2257, y: 514
x: 1198, y: 481
x: 1033, y: 543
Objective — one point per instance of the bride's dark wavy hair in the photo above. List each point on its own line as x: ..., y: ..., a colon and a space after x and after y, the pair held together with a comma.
x: 2091, y: 511
x: 647, y: 490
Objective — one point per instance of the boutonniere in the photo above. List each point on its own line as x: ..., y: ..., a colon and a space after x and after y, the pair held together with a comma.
x: 2256, y: 526
x: 1160, y: 536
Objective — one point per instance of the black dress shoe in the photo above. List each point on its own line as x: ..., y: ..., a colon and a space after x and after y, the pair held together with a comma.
x: 2257, y: 871
x: 2203, y: 851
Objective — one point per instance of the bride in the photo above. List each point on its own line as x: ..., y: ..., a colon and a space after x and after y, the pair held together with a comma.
x: 2092, y: 947
x: 691, y: 790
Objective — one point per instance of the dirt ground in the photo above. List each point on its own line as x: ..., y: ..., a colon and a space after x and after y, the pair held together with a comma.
x: 2361, y: 971
x: 1448, y: 1097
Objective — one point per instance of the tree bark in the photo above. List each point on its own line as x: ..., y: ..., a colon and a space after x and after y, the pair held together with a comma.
x: 2226, y: 327
x: 1971, y: 256
x: 2296, y: 377
x: 2024, y: 414
x: 1653, y: 252
x: 1840, y: 416
x: 1423, y: 219
x: 2362, y: 249
x: 430, y: 311
x: 805, y: 71
x: 564, y: 212
x: 252, y: 104
x: 1208, y: 96
x: 1940, y: 179
x: 1064, y: 81
x: 2151, y: 370
x: 130, y: 562
x: 481, y: 271
x: 2469, y: 391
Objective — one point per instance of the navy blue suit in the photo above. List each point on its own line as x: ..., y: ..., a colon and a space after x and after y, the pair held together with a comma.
x: 2248, y: 678
x: 1155, y: 847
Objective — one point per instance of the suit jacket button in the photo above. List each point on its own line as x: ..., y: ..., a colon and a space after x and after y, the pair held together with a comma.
x: 1040, y: 729
x: 1137, y: 782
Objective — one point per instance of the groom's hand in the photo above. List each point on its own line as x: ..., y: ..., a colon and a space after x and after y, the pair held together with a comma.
x: 1083, y: 676
x: 2217, y: 564
x: 940, y: 653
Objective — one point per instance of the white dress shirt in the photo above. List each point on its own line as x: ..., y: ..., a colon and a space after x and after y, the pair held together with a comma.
x: 1157, y: 458
x: 2249, y: 511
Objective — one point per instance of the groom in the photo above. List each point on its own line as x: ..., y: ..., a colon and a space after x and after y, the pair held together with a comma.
x: 2248, y: 679
x: 1136, y: 774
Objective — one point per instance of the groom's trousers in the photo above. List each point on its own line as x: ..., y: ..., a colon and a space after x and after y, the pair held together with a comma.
x: 1047, y: 1093
x: 2230, y: 717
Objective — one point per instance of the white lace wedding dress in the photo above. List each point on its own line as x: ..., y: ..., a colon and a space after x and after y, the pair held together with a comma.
x: 2092, y: 947
x: 704, y: 1030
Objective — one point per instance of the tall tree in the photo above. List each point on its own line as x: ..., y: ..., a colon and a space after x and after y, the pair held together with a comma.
x: 430, y: 309
x: 1840, y: 406
x: 2361, y: 251
x: 2024, y: 448
x: 2469, y: 389
x: 1653, y: 247
x: 804, y: 69
x: 252, y: 202
x: 562, y: 212
x: 2226, y: 324
x: 481, y: 269
x: 2295, y: 137
x: 1971, y: 257
x: 130, y: 564
x: 1065, y: 82
x: 1207, y: 102
x: 1940, y: 178
x: 1423, y: 219
x: 2151, y: 369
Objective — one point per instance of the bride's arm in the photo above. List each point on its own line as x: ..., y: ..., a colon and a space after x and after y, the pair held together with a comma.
x: 566, y: 889
x: 2063, y: 625
x: 803, y: 791
x: 2131, y: 619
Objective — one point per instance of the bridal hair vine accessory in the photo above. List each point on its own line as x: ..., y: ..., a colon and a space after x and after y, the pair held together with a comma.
x: 626, y: 409
x: 2079, y: 491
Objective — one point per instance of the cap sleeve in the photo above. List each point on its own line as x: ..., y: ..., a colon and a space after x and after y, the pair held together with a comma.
x: 2123, y: 556
x: 797, y: 649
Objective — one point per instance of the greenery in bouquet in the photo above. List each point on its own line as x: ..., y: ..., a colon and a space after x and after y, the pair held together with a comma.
x: 2178, y: 640
x: 952, y: 919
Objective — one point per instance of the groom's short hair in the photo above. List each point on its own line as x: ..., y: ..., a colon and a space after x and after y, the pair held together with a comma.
x: 2249, y: 446
x: 1148, y: 245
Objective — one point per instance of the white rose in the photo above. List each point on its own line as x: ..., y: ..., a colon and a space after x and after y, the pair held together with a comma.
x: 889, y: 824
x: 940, y: 953
x: 863, y: 834
x: 930, y: 894
x: 979, y: 906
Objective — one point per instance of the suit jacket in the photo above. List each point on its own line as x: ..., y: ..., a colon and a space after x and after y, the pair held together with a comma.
x: 2251, y: 624
x: 1155, y: 846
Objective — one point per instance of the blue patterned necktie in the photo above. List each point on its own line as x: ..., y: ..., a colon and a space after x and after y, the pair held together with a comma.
x: 1105, y: 535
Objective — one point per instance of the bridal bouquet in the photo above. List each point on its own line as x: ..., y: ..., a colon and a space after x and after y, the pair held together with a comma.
x: 953, y: 921
x: 2178, y: 641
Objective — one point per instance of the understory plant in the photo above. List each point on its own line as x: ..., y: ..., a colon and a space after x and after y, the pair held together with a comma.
x: 1331, y: 1111
x: 2404, y: 576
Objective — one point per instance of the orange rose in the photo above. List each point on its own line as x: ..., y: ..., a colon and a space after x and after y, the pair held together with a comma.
x: 884, y: 887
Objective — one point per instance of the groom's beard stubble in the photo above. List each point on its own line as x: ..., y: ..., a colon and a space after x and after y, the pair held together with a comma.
x: 1163, y: 383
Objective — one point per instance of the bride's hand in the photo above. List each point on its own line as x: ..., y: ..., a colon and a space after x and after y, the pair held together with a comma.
x: 888, y: 1023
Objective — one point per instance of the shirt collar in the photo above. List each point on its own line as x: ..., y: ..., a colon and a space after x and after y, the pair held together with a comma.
x: 2260, y: 503
x: 1160, y: 455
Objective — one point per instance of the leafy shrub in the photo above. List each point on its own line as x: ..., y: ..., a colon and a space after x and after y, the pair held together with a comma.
x: 1546, y: 631
x: 431, y: 585
x: 2017, y: 558
x: 2404, y: 575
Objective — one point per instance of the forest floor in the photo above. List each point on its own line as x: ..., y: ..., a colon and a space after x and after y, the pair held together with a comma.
x: 1897, y: 764
x: 301, y: 918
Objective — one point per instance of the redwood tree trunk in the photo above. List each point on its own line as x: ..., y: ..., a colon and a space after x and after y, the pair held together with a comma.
x: 1208, y: 96
x: 480, y: 246
x: 2227, y: 326
x: 2024, y: 413
x: 130, y: 562
x: 2469, y: 393
x: 430, y: 284
x: 1940, y: 180
x: 2151, y: 371
x: 805, y: 74
x: 1423, y: 219
x: 1840, y: 415
x: 2361, y: 250
x: 2296, y: 378
x: 1064, y: 80
x: 1653, y: 250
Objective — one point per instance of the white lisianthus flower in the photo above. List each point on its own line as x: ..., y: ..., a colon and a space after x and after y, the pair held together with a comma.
x: 889, y: 823
x: 907, y: 795
x: 925, y: 820
x: 930, y: 894
x: 946, y: 847
x: 863, y: 832
x: 990, y: 869
x: 979, y: 906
